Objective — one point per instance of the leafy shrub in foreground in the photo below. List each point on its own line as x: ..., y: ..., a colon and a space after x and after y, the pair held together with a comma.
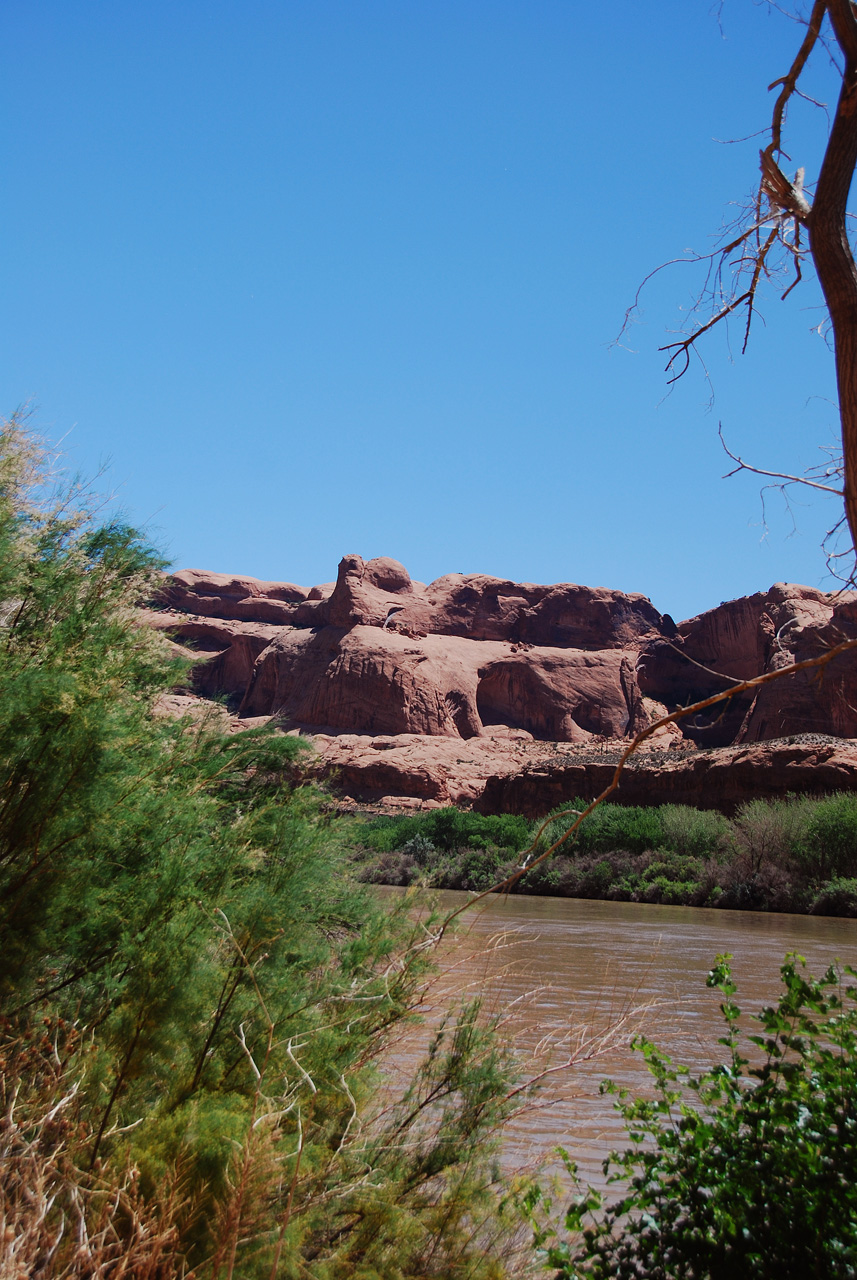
x: 195, y: 997
x: 748, y: 1172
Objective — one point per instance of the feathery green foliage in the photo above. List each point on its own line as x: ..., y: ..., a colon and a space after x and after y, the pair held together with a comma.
x: 190, y: 978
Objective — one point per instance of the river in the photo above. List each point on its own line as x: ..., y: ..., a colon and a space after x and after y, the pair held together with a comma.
x: 575, y: 979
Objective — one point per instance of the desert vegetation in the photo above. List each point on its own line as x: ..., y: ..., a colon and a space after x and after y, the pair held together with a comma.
x: 198, y: 997
x: 745, y: 1170
x: 798, y: 854
x: 195, y: 996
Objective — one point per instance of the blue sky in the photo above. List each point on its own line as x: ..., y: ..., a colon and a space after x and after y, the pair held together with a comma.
x: 318, y: 277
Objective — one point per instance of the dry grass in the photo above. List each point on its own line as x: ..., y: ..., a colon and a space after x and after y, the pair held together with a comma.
x: 59, y: 1220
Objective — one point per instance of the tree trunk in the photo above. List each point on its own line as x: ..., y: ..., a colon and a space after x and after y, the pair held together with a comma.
x: 834, y: 261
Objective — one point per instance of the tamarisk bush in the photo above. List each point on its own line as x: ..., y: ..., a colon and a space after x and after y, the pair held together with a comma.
x: 195, y: 997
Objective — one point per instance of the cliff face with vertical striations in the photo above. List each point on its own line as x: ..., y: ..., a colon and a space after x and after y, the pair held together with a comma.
x: 470, y: 657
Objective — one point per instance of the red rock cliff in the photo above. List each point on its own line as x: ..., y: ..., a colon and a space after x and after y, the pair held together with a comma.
x: 377, y: 653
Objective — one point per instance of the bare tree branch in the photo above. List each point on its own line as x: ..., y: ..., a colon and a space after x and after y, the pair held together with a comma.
x: 789, y: 81
x: 771, y: 231
x: 777, y: 475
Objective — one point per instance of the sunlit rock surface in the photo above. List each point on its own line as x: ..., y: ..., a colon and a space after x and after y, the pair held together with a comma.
x: 520, y: 673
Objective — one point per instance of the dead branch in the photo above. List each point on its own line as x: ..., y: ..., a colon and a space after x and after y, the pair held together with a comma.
x: 781, y: 226
x: 789, y: 81
x: 777, y: 475
x: 682, y: 349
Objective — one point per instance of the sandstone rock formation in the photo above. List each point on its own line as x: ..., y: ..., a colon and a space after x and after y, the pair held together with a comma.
x: 393, y: 770
x: 717, y: 779
x: 382, y: 654
x: 391, y: 675
x: 745, y: 638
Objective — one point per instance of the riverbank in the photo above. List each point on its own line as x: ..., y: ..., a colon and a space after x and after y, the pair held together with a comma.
x: 795, y: 855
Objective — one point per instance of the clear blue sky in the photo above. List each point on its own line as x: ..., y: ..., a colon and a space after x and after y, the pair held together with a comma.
x: 319, y: 276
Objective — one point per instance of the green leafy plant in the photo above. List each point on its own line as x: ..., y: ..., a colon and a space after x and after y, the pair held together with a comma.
x: 838, y: 897
x: 747, y: 1171
x: 829, y: 846
x: 698, y: 833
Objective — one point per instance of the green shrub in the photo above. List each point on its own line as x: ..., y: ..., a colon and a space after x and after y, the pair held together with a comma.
x: 547, y: 877
x: 673, y: 866
x: 836, y: 898
x: 669, y: 892
x: 699, y: 833
x: 475, y: 870
x: 421, y: 849
x: 556, y: 827
x: 191, y: 980
x: 775, y: 855
x: 633, y: 829
x: 670, y: 878
x: 448, y: 829
x: 770, y: 832
x: 744, y: 1173
x: 829, y: 844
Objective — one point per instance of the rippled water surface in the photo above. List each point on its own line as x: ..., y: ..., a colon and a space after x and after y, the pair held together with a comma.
x: 577, y: 978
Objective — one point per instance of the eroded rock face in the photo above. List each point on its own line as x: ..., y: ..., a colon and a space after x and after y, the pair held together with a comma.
x: 746, y: 638
x: 719, y: 779
x: 378, y: 653
x: 224, y: 652
x: 372, y: 680
x: 564, y: 616
x: 469, y: 656
x: 472, y: 606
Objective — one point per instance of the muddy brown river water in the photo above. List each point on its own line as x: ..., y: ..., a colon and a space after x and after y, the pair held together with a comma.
x: 575, y: 979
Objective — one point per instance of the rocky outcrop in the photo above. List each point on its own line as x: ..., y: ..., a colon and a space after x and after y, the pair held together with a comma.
x: 720, y: 779
x: 374, y: 681
x: 472, y: 606
x: 394, y: 770
x: 377, y: 657
x: 745, y: 638
x: 379, y: 653
x: 217, y: 595
x: 224, y: 652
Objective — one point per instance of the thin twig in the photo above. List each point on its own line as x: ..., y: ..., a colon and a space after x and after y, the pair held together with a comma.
x: 777, y: 475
